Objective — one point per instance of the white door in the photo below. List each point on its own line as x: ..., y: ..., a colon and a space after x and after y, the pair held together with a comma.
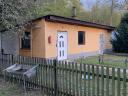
x: 62, y: 45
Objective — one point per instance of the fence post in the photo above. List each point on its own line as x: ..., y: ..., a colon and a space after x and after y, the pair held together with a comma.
x: 101, y: 59
x: 2, y: 59
x: 126, y: 61
x: 12, y: 59
x: 55, y: 77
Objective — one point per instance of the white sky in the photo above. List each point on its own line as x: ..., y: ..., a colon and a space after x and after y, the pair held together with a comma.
x: 88, y: 3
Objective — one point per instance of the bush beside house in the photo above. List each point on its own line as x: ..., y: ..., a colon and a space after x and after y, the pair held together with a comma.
x: 120, y: 42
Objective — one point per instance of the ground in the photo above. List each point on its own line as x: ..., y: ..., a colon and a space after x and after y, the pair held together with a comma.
x: 109, y: 60
x: 10, y: 89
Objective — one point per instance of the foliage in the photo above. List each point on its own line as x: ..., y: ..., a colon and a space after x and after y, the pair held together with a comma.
x: 60, y: 7
x: 14, y: 13
x: 57, y: 8
x: 101, y: 13
x: 120, y: 42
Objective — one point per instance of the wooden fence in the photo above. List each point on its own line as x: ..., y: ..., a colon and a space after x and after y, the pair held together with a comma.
x: 61, y: 78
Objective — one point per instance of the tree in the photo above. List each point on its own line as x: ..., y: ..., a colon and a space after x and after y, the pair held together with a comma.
x: 15, y: 13
x: 62, y: 8
x: 103, y: 12
x: 120, y: 40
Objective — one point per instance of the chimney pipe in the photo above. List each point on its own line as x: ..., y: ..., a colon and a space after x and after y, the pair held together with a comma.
x: 74, y: 12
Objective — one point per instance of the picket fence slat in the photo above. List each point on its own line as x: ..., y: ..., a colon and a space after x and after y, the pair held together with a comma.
x: 118, y: 82
x: 93, y: 81
x: 113, y: 81
x: 124, y: 83
x: 97, y: 72
x: 88, y: 77
x: 107, y: 81
x: 84, y: 77
x: 102, y: 80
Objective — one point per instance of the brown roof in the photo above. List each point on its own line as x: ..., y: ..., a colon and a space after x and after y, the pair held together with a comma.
x: 60, y: 19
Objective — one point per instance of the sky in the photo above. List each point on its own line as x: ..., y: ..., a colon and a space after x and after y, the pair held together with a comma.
x: 88, y: 3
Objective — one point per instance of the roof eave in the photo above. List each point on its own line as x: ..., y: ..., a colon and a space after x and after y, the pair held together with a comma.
x: 60, y: 19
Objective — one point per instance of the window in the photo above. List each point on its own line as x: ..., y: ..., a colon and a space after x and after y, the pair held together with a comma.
x: 81, y: 37
x: 26, y: 41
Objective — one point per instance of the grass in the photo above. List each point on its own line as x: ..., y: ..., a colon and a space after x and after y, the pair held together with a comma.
x: 6, y: 89
x: 10, y: 89
x: 109, y: 60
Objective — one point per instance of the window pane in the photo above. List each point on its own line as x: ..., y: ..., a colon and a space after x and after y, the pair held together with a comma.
x: 60, y: 53
x: 81, y: 37
x: 60, y: 44
x: 26, y: 41
x: 63, y: 52
x: 63, y: 43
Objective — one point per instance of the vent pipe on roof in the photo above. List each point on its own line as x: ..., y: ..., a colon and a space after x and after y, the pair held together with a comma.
x: 74, y: 12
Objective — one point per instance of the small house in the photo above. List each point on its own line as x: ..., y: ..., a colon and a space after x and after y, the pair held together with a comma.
x: 60, y: 37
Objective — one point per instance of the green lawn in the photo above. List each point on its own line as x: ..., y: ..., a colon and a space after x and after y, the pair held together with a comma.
x: 10, y: 89
x: 7, y: 89
x: 109, y: 60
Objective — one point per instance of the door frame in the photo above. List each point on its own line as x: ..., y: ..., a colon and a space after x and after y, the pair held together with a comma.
x: 57, y: 41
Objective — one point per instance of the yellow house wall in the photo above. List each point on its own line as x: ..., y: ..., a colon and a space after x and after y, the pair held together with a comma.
x: 25, y: 52
x: 91, y: 38
x: 38, y: 41
x: 41, y: 47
